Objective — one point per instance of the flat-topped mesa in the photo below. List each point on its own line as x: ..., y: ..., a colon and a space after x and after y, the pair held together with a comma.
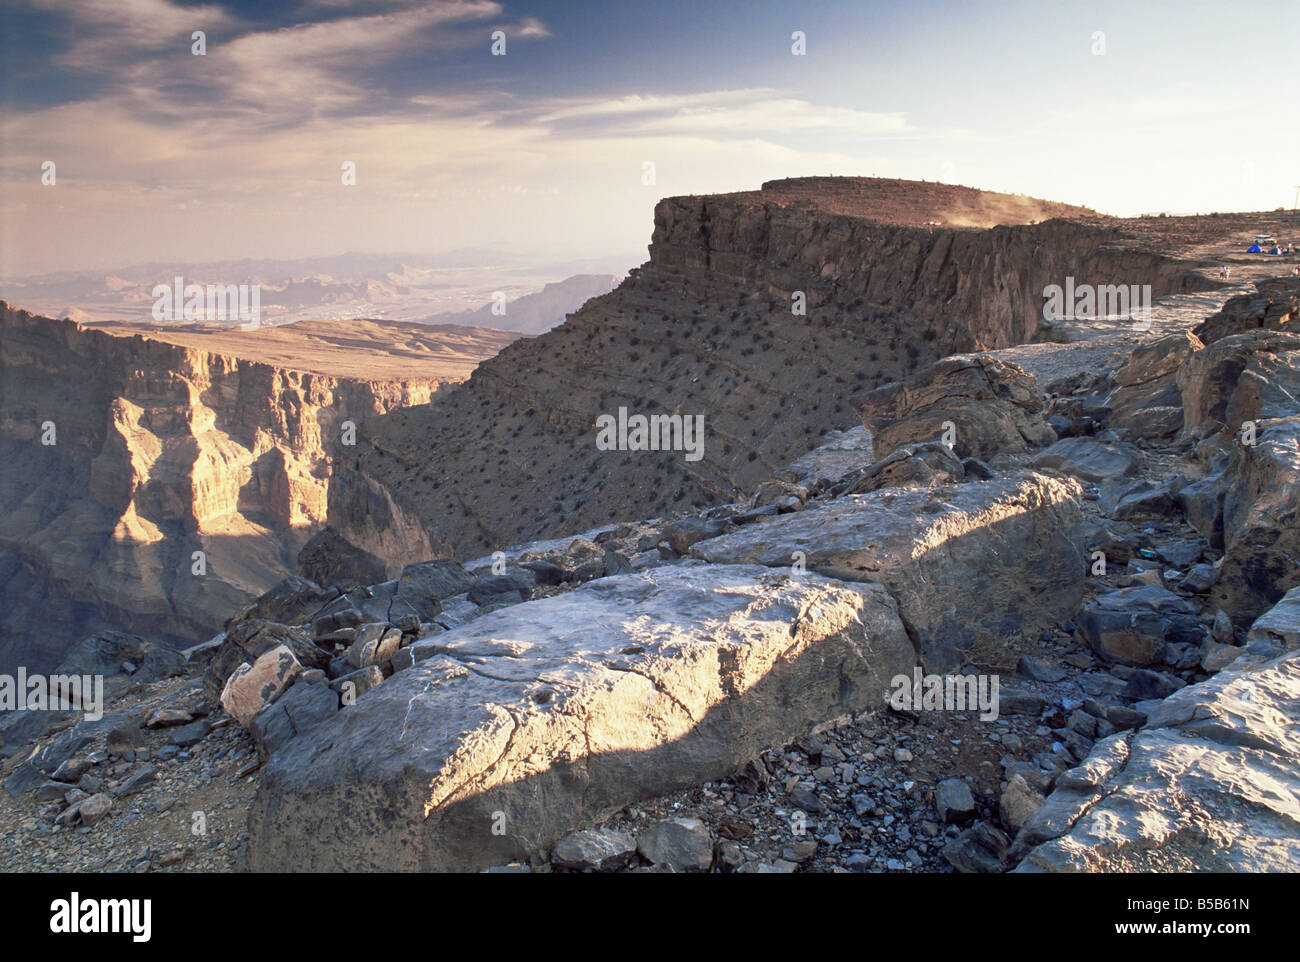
x: 127, y: 455
x: 918, y: 202
x: 713, y: 326
x: 908, y: 247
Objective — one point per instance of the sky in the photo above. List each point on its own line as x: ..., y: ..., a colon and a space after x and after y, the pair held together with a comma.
x: 163, y: 155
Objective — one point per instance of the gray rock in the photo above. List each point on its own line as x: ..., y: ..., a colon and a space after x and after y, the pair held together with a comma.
x: 684, y: 844
x: 1040, y: 670
x: 994, y: 405
x: 1199, y: 578
x: 513, y: 586
x: 51, y: 791
x: 624, y: 689
x: 1261, y: 521
x: 1130, y: 625
x: 302, y: 708
x: 548, y: 573
x: 594, y: 849
x: 1019, y: 703
x: 337, y: 625
x: 353, y: 685
x: 953, y: 801
x: 951, y: 595
x: 106, y: 652
x: 425, y: 585
x: 1118, y: 715
x: 1144, y: 684
x: 1222, y: 629
x: 911, y: 465
x: 1182, y: 554
x: 1090, y: 459
x: 1281, y: 623
x: 138, y: 781
x: 187, y: 735
x: 680, y: 535
x: 806, y: 799
x: 291, y: 601
x: 982, y: 849
x: 71, y: 770
x: 1202, y: 505
x: 1228, y: 806
x: 616, y: 564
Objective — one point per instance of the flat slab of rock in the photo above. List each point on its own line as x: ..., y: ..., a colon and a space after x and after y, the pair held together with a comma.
x: 1210, y: 784
x: 1090, y: 459
x: 978, y: 565
x: 549, y: 716
x: 840, y: 453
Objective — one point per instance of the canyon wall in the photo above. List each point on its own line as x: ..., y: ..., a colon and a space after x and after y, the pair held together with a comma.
x: 125, y: 457
x: 708, y: 327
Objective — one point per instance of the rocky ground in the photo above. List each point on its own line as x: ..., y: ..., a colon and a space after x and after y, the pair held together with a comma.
x: 1174, y: 653
x: 171, y: 808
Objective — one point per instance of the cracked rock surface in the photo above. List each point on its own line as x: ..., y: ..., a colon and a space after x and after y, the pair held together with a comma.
x: 552, y: 715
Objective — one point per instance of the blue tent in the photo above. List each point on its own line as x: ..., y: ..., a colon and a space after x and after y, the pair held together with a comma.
x: 1276, y: 250
x: 1254, y: 249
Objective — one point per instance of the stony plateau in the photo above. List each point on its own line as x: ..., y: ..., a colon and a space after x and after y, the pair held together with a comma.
x: 702, y: 683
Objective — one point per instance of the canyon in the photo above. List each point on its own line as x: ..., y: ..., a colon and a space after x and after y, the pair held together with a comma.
x: 187, y: 466
x: 1096, y: 516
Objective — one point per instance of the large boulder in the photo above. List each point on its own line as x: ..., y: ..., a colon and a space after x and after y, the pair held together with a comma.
x: 121, y: 658
x: 1279, y: 625
x: 1211, y: 783
x: 1275, y: 306
x: 329, y: 558
x: 549, y: 716
x: 251, y: 639
x: 251, y: 687
x: 1090, y: 459
x: 1244, y: 377
x: 994, y: 407
x: 1148, y: 405
x: 978, y: 569
x: 1261, y: 522
x: 912, y: 465
x: 1132, y: 625
x: 422, y: 587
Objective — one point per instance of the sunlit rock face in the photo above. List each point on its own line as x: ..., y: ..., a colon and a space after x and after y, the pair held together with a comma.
x: 125, y: 457
x: 974, y: 566
x: 553, y: 714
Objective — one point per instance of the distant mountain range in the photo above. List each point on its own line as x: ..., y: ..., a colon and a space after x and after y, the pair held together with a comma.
x: 539, y: 312
x: 405, y: 287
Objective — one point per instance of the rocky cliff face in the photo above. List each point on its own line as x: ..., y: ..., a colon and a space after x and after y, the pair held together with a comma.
x: 759, y: 312
x: 153, y: 486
